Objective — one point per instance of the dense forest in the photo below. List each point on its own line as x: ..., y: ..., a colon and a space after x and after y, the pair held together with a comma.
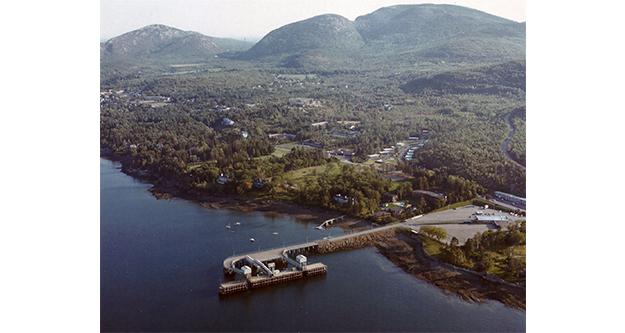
x: 175, y: 129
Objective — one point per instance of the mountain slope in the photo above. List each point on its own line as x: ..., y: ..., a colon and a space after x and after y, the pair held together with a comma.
x: 328, y: 33
x: 442, y: 32
x: 160, y: 41
x: 504, y: 78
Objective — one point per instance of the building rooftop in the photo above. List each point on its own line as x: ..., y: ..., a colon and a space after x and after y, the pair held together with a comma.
x: 489, y: 218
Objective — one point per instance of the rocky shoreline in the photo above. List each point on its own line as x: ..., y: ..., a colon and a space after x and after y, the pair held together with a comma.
x: 406, y: 251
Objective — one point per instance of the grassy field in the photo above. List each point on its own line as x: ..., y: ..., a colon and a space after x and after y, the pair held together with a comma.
x: 432, y: 247
x: 283, y: 149
x: 299, y: 176
x: 455, y: 205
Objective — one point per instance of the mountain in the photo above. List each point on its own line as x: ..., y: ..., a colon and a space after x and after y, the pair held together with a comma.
x: 389, y: 37
x: 504, y: 78
x: 163, y: 42
x: 321, y: 37
x: 441, y: 32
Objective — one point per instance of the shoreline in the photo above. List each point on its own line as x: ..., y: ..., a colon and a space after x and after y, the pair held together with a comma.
x: 406, y: 252
x: 403, y: 251
x: 239, y: 203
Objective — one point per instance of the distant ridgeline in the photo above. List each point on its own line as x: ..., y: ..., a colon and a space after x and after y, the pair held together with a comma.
x: 403, y: 34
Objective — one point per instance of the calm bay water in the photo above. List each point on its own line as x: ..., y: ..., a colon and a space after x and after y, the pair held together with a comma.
x: 161, y: 264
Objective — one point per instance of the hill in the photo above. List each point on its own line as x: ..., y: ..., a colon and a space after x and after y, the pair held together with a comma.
x: 508, y: 77
x: 321, y: 37
x: 161, y: 42
x: 441, y: 32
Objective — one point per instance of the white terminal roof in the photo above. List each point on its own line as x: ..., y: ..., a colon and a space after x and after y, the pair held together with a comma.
x: 491, y: 218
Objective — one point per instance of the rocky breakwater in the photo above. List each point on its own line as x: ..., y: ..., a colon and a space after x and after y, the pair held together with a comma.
x: 359, y: 241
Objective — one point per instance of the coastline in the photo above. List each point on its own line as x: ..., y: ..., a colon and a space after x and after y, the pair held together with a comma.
x: 406, y: 251
x: 240, y: 203
x: 403, y: 251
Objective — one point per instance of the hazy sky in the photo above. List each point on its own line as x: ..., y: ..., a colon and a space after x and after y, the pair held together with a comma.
x: 252, y: 19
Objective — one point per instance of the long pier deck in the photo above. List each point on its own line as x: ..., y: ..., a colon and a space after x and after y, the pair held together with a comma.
x: 276, y: 253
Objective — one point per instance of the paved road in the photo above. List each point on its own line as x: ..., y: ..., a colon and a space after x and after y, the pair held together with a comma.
x: 505, y: 145
x: 450, y: 216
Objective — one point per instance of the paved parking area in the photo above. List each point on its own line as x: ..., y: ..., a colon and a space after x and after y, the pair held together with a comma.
x: 458, y: 215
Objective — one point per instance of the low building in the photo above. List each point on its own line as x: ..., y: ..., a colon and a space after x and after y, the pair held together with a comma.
x: 302, y: 102
x: 258, y: 184
x: 489, y: 218
x: 301, y: 259
x: 312, y: 143
x: 341, y: 199
x: 517, y: 201
x: 319, y: 124
x: 389, y: 197
x: 223, y: 179
x: 227, y: 122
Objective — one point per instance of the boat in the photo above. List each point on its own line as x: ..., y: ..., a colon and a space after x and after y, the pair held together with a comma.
x: 274, y: 233
x: 237, y: 223
x: 228, y: 226
x: 252, y: 240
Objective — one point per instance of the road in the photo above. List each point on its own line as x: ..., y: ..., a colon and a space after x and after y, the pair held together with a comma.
x: 505, y: 145
x: 446, y: 219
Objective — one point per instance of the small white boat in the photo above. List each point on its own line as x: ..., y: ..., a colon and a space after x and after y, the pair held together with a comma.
x: 274, y: 233
x: 252, y: 240
x: 237, y: 223
x: 228, y: 226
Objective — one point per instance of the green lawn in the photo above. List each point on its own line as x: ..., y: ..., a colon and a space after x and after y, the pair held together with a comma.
x: 431, y: 246
x: 283, y: 149
x: 300, y: 175
x: 452, y: 206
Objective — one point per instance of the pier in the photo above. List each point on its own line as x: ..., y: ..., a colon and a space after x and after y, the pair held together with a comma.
x: 263, y: 263
x: 330, y: 222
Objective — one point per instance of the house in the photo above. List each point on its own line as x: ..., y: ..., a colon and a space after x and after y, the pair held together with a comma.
x: 319, y: 124
x: 245, y: 134
x: 389, y: 197
x: 258, y: 184
x: 396, y: 211
x: 286, y: 136
x: 311, y: 143
x: 223, y: 179
x: 302, y: 102
x: 227, y: 122
x: 341, y: 199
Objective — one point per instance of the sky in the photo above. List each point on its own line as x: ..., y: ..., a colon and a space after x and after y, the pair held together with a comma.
x: 252, y: 19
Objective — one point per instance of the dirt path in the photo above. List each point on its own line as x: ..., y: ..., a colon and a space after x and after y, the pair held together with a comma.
x: 505, y: 145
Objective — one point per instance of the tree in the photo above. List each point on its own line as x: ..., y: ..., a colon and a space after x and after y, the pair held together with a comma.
x: 434, y: 232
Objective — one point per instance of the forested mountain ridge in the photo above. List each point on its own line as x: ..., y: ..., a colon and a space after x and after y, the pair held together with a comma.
x: 323, y: 32
x: 410, y: 25
x: 508, y: 77
x: 161, y: 41
x: 400, y: 34
x: 392, y: 36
